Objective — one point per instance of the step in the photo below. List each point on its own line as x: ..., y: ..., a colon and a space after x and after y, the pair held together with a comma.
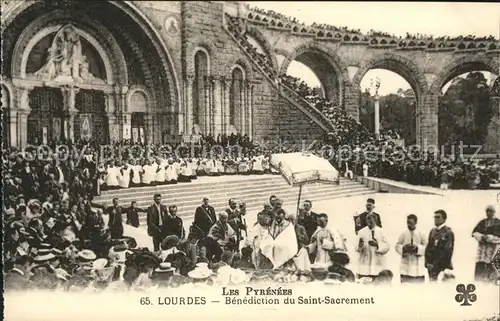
x: 186, y: 188
x: 228, y: 193
x: 186, y: 214
x: 261, y: 197
x: 199, y: 183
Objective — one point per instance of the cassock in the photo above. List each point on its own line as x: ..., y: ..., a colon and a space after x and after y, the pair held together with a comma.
x: 412, y: 264
x: 309, y: 220
x: 372, y: 259
x: 205, y: 218
x: 439, y: 250
x: 487, y: 247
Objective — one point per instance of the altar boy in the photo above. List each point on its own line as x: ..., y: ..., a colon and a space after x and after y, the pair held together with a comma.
x: 411, y: 246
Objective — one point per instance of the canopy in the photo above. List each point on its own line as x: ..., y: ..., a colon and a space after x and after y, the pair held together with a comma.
x: 303, y: 168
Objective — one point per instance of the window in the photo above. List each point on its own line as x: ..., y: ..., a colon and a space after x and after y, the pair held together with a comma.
x: 200, y: 72
x: 235, y: 99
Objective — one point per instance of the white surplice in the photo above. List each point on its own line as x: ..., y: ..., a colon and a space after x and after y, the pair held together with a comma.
x: 372, y: 259
x: 412, y: 264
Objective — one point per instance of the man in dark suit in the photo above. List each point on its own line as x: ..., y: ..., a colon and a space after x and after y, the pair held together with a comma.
x: 204, y: 216
x: 360, y: 220
x: 133, y: 214
x: 115, y: 223
x: 308, y: 219
x: 156, y: 217
x: 173, y: 224
x: 439, y: 250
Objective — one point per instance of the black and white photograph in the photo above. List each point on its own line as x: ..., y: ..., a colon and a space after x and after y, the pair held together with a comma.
x: 232, y: 160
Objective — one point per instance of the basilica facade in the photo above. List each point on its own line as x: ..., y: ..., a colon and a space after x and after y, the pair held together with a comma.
x: 156, y: 71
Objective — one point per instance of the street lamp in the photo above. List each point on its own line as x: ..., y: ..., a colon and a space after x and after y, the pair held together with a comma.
x: 377, y: 106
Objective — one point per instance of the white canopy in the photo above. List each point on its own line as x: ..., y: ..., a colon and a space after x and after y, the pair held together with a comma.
x: 303, y: 168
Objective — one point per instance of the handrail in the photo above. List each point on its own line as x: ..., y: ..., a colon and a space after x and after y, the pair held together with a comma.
x: 315, y: 114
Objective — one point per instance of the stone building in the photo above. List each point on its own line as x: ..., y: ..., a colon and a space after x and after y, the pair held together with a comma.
x: 159, y: 71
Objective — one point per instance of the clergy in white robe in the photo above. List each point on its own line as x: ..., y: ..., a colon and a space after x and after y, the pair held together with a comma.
x: 124, y: 177
x: 257, y: 165
x: 372, y: 247
x: 160, y: 172
x: 112, y: 176
x: 324, y: 240
x: 487, y: 234
x: 171, y: 175
x: 136, y: 173
x: 148, y: 174
x: 411, y: 246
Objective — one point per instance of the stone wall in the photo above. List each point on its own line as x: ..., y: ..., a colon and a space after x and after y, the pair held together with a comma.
x: 273, y: 115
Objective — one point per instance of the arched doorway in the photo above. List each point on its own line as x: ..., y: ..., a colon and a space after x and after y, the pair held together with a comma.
x: 115, y: 59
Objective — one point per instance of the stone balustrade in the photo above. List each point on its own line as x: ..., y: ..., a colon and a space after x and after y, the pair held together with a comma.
x: 350, y: 37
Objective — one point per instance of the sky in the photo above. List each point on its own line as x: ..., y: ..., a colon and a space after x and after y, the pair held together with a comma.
x: 434, y: 18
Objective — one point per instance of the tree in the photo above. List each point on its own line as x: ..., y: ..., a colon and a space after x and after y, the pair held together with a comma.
x: 465, y: 111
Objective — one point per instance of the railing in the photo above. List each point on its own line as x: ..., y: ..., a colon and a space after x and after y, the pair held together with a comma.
x: 374, y: 40
x: 234, y: 30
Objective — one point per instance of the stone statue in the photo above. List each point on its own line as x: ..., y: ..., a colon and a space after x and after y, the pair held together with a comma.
x: 65, y: 61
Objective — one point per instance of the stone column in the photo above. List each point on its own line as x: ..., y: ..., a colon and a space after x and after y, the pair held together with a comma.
x: 13, y: 127
x: 428, y: 110
x: 188, y: 107
x: 148, y: 128
x: 113, y: 128
x: 23, y: 111
x: 242, y: 106
x: 218, y: 106
x: 227, y: 88
x: 206, y: 107
x: 22, y: 124
x: 213, y: 106
x: 250, y: 110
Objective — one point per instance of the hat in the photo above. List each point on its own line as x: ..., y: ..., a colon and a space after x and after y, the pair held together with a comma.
x: 169, y: 242
x: 370, y: 201
x: 200, y: 273
x: 99, y: 264
x: 165, y: 268
x: 87, y: 255
x: 44, y: 257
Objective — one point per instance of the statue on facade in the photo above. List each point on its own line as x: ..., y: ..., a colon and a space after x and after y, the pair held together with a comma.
x: 65, y: 61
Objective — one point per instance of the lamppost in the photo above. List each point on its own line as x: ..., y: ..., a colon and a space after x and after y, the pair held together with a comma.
x: 377, y: 106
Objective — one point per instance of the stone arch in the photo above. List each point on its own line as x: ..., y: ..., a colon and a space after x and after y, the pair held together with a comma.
x: 140, y: 19
x: 19, y: 70
x: 404, y: 67
x: 324, y: 62
x: 104, y: 44
x: 243, y: 64
x: 462, y: 65
x: 254, y: 32
x: 142, y: 90
x: 206, y: 50
x: 10, y: 91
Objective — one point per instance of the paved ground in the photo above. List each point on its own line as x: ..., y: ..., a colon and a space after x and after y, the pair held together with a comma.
x: 464, y: 208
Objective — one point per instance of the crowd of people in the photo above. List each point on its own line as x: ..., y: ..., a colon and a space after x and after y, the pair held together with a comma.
x: 71, y: 248
x: 373, y: 33
x: 362, y: 153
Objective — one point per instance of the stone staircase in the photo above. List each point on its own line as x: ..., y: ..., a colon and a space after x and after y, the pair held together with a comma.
x: 234, y: 29
x: 255, y: 190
